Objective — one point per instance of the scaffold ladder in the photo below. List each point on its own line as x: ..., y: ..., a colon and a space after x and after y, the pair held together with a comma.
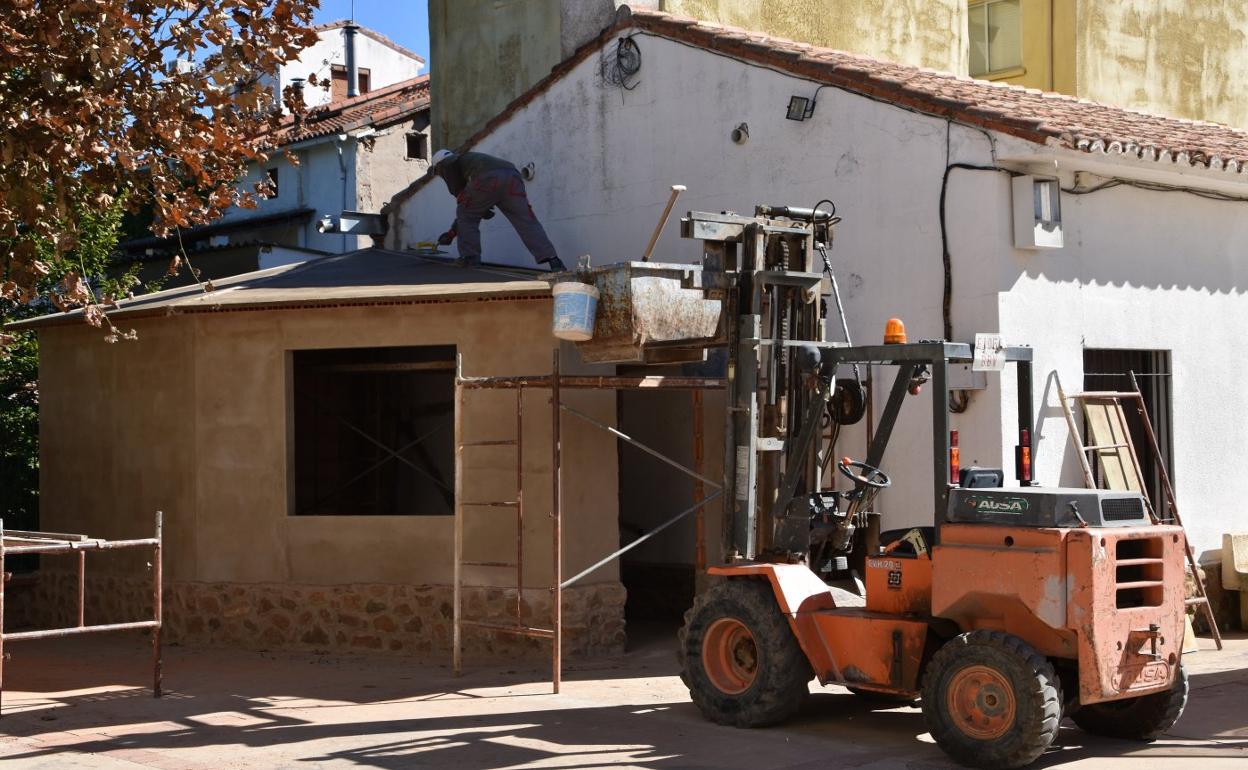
x: 1120, y: 440
x: 518, y: 627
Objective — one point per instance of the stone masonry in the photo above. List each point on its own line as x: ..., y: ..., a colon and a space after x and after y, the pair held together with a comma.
x: 412, y: 620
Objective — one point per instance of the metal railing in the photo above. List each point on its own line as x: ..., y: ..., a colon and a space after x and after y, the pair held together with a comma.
x: 15, y: 542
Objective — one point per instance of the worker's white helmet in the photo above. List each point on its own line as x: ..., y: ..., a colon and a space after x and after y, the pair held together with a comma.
x: 439, y: 157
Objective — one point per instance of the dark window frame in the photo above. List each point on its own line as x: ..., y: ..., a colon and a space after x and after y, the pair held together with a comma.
x: 421, y: 144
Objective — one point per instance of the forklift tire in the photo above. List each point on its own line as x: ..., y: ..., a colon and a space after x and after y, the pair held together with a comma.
x: 1136, y: 719
x: 991, y: 701
x: 739, y: 658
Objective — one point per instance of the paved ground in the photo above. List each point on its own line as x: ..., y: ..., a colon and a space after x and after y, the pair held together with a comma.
x: 83, y: 703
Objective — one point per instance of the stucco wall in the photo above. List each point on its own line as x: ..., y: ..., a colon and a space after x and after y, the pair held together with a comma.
x: 1165, y: 279
x: 1176, y: 57
x: 383, y: 168
x: 192, y: 419
x: 488, y: 53
x: 924, y: 33
x: 1174, y: 282
x: 601, y: 183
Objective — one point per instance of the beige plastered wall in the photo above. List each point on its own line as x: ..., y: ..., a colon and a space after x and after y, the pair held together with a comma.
x: 1184, y: 58
x: 923, y: 33
x: 1187, y: 58
x: 192, y: 419
x: 484, y: 54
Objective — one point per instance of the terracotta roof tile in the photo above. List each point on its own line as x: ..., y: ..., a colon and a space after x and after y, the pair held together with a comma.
x: 385, y: 105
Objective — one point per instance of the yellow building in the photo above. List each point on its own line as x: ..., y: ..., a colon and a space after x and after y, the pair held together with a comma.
x: 1173, y: 57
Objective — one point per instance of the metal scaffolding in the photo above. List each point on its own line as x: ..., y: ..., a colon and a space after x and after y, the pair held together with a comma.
x: 16, y: 542
x: 556, y: 383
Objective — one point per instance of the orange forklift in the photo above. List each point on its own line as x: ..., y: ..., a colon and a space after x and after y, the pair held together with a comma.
x: 1016, y: 607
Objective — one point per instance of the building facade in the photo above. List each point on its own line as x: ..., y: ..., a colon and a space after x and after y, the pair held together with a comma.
x: 1171, y: 58
x: 378, y: 60
x: 297, y: 429
x: 488, y: 53
x: 1159, y: 294
x: 348, y: 155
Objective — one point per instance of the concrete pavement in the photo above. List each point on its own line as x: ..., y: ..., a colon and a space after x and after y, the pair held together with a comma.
x: 85, y: 703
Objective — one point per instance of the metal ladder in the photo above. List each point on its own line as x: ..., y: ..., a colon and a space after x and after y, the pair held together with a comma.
x: 518, y: 627
x: 1201, y: 599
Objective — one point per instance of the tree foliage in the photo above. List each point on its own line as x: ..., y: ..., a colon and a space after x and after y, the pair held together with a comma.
x: 87, y: 267
x: 95, y: 111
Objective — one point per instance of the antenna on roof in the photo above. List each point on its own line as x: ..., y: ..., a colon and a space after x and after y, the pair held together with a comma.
x: 352, y: 10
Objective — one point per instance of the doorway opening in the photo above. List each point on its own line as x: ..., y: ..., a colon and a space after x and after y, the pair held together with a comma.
x: 1112, y: 370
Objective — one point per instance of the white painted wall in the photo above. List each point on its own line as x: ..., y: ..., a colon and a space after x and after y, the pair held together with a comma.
x: 1140, y: 270
x: 359, y: 172
x: 386, y: 65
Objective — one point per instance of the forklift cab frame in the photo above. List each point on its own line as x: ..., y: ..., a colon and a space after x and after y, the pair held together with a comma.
x: 935, y: 356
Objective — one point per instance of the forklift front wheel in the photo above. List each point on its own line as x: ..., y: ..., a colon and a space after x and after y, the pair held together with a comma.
x: 991, y: 700
x: 739, y: 658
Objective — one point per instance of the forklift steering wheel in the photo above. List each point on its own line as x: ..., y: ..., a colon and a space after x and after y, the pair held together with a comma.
x: 871, y: 477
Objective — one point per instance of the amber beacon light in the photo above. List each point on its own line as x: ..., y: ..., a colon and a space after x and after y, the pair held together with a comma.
x: 894, y: 332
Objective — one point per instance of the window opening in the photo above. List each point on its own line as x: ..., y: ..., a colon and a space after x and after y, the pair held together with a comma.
x: 373, y: 431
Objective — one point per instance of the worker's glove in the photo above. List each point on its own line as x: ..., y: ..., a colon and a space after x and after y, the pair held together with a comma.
x: 489, y: 214
x: 445, y: 238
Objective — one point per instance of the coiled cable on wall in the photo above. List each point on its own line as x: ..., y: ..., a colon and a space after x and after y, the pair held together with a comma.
x: 622, y: 66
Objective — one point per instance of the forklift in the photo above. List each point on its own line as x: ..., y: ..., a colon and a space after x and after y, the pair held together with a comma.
x: 1015, y: 607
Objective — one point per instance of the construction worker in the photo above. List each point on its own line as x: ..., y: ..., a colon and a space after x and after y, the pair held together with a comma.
x: 479, y: 183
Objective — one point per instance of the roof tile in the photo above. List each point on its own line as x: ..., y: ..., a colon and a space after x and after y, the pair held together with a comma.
x: 389, y: 104
x: 1025, y: 112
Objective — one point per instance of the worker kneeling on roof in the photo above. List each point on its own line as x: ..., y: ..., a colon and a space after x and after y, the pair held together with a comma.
x: 479, y: 183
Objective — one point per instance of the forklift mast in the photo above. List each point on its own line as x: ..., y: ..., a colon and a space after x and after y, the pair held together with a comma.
x: 782, y: 373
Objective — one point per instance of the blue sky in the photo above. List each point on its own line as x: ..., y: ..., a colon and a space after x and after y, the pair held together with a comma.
x: 406, y: 22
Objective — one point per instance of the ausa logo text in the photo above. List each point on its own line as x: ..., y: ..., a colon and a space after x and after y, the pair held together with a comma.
x: 999, y: 504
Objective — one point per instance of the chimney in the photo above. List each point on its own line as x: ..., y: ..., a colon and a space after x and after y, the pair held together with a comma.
x: 353, y: 72
x: 297, y: 85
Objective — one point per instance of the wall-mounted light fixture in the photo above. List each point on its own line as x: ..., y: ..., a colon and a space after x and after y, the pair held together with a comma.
x: 801, y: 108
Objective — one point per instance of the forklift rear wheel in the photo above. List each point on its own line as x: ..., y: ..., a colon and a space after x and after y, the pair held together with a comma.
x: 991, y: 700
x: 739, y: 657
x: 1136, y: 719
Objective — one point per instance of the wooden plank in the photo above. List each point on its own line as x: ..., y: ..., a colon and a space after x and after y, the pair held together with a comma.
x: 1107, y: 428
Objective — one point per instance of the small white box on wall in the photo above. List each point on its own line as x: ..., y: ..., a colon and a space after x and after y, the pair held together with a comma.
x: 1037, y: 212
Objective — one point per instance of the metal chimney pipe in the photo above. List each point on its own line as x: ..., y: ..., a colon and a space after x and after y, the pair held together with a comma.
x: 353, y: 72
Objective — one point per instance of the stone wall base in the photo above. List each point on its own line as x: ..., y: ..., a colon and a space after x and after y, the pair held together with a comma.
x: 413, y: 620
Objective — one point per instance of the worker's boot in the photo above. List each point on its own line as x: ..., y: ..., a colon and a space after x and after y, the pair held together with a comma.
x: 468, y: 261
x: 556, y: 265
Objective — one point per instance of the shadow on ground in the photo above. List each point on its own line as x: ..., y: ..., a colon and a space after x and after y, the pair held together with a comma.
x: 236, y: 709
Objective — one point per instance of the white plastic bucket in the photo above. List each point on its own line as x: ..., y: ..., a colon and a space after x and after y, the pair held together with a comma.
x: 575, y: 306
